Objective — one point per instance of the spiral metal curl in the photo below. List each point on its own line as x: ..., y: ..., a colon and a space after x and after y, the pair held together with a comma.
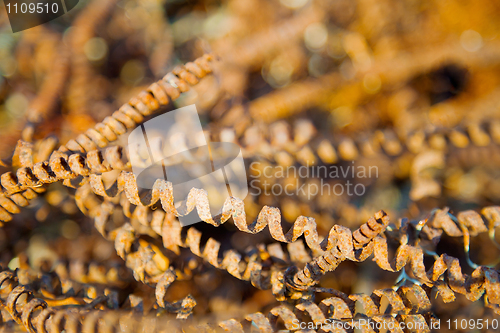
x: 341, y: 243
x: 146, y: 103
x: 37, y: 316
x: 61, y: 167
x: 302, y: 142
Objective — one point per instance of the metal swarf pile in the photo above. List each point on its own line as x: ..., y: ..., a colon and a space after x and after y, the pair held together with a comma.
x: 408, y: 90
